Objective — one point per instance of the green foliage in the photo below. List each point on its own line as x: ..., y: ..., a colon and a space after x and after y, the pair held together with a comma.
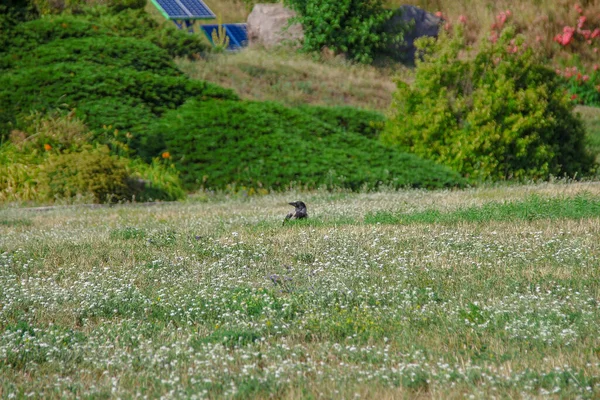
x: 106, y: 177
x: 584, y: 89
x: 13, y: 12
x: 350, y: 119
x: 354, y: 27
x: 249, y: 144
x: 91, y: 171
x: 155, y: 181
x: 26, y: 36
x: 100, y: 22
x: 113, y: 51
x: 498, y: 115
x: 47, y: 87
x: 53, y: 160
x: 18, y: 180
x: 219, y: 37
x: 139, y: 24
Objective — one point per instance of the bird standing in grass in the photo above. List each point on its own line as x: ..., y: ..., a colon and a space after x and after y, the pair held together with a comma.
x: 299, y: 213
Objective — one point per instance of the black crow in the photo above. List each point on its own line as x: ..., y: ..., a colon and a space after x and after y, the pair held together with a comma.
x: 299, y: 213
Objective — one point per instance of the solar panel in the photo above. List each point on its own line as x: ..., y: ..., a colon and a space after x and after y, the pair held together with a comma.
x: 237, y: 34
x: 184, y: 9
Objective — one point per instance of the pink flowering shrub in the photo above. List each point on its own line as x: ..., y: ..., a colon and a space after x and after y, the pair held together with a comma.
x: 584, y: 86
x: 498, y: 114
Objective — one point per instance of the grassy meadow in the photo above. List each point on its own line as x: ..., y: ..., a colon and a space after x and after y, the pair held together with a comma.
x: 487, y: 293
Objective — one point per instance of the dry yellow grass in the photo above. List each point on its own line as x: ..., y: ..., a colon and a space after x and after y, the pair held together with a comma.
x: 293, y: 79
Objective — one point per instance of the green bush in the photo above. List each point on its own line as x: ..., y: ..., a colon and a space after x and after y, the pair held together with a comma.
x: 354, y: 27
x: 497, y: 115
x: 25, y: 37
x: 139, y: 24
x: 265, y: 145
x: 350, y: 119
x: 113, y: 51
x: 89, y: 172
x: 18, y: 177
x: 53, y: 159
x: 12, y: 13
x: 50, y: 86
x: 106, y: 178
x: 100, y: 22
x: 155, y: 181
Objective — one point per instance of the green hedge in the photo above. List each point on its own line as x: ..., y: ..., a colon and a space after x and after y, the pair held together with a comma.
x: 217, y: 143
x: 350, y: 119
x: 113, y: 51
x: 27, y: 36
x: 50, y: 86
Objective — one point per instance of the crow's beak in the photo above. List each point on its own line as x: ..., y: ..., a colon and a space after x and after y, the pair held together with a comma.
x: 292, y: 204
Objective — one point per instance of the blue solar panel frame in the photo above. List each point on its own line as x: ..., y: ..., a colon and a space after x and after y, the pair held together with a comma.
x: 237, y: 34
x: 184, y: 9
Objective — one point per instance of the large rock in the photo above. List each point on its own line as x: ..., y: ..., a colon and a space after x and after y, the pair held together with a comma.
x: 268, y: 25
x: 422, y: 23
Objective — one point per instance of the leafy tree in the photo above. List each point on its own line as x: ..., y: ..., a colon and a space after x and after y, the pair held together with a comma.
x: 354, y: 27
x: 497, y: 115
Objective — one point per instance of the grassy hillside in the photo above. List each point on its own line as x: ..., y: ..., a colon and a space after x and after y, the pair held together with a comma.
x: 217, y: 299
x: 294, y: 79
x: 255, y: 75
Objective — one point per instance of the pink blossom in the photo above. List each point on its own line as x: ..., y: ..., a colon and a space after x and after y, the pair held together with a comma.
x: 494, y: 37
x: 586, y: 33
x: 596, y: 67
x: 581, y: 21
x: 439, y: 14
x: 578, y: 8
x: 595, y: 34
x: 565, y: 38
x: 501, y: 19
x: 585, y: 78
x: 462, y: 19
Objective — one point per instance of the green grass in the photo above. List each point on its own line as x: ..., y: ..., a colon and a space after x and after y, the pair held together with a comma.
x: 484, y: 292
x: 591, y: 117
x: 533, y: 208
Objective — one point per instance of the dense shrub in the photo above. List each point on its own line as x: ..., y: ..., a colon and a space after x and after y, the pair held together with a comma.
x: 53, y: 160
x: 47, y: 87
x: 92, y: 171
x: 113, y: 51
x: 12, y: 13
x: 497, y: 115
x: 18, y: 175
x: 158, y: 181
x: 218, y: 143
x: 99, y: 22
x: 350, y: 119
x: 106, y: 178
x: 354, y: 27
x: 139, y: 24
x: 27, y: 36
